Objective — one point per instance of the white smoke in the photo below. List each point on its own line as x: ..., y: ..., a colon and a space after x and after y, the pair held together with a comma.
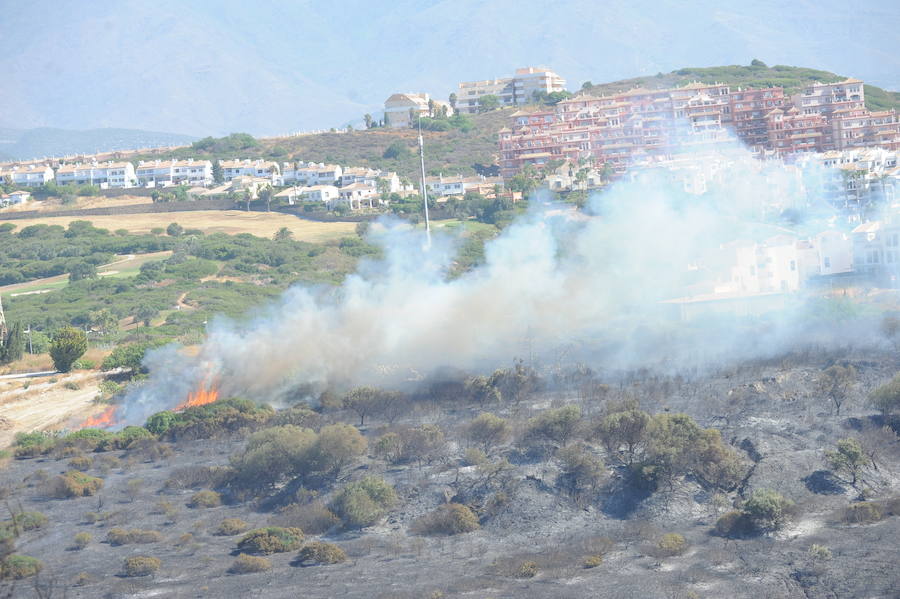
x: 553, y: 279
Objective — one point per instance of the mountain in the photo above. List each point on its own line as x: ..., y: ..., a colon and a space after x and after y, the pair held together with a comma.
x: 37, y: 143
x: 214, y: 67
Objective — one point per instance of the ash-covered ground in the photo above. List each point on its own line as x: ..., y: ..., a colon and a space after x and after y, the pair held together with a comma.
x: 773, y: 414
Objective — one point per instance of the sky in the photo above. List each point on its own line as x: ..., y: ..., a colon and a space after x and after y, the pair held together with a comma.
x: 269, y: 67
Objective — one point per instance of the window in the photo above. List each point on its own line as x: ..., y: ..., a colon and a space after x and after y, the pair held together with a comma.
x: 793, y: 265
x: 827, y: 261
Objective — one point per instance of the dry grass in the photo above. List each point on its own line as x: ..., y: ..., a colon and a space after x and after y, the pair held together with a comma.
x: 51, y: 204
x: 263, y: 224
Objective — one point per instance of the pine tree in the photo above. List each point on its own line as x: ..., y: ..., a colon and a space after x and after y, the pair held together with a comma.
x: 13, y: 345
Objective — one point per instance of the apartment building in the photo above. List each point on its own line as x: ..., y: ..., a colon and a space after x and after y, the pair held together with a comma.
x: 316, y: 173
x: 457, y: 185
x: 103, y: 174
x: 827, y: 98
x: 191, y: 172
x: 250, y: 168
x: 32, y: 175
x: 510, y: 91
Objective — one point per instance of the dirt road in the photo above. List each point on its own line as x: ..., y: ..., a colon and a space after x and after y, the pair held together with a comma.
x: 47, y: 405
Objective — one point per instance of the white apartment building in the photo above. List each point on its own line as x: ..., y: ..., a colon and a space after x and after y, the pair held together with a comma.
x: 458, y: 185
x: 320, y: 193
x: 174, y: 172
x: 104, y: 174
x: 32, y: 175
x: 312, y: 173
x: 511, y: 91
x: 251, y: 168
x: 355, y: 194
x: 826, y: 98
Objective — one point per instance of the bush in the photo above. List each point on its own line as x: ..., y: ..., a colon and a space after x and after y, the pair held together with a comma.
x: 30, y: 520
x: 205, y: 499
x: 120, y: 536
x: 313, y: 518
x: 886, y: 398
x: 82, y: 540
x: 364, y: 502
x: 230, y: 527
x: 733, y: 524
x: 272, y: 539
x: 28, y: 445
x: 448, y: 519
x: 249, y: 564
x: 320, y: 553
x: 81, y: 463
x: 141, y: 565
x: 74, y: 484
x: 556, y: 427
x: 671, y: 544
x: 864, y: 512
x: 592, y: 561
x: 17, y: 567
x: 526, y: 570
x: 488, y: 431
x: 766, y: 509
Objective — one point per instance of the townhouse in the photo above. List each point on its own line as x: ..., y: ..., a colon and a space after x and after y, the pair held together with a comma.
x: 251, y: 168
x: 103, y: 174
x: 32, y: 175
x: 196, y: 173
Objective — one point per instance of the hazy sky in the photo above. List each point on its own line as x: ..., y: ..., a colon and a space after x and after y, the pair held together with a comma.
x: 204, y: 67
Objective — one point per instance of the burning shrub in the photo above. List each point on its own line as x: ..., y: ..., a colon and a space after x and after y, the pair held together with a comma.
x: 210, y: 420
x: 120, y: 536
x: 272, y: 539
x: 17, y: 567
x: 320, y: 553
x: 88, y: 439
x: 141, y: 565
x: 205, y: 499
x: 74, y: 484
x: 448, y: 519
x: 230, y: 527
x: 249, y: 564
x: 364, y: 502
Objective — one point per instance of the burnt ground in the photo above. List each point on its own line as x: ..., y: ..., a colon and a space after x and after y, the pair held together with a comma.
x: 770, y: 411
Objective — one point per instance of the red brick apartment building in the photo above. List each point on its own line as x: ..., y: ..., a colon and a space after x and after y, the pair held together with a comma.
x: 615, y: 129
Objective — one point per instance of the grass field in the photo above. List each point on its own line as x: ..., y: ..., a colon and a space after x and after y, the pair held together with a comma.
x: 263, y: 224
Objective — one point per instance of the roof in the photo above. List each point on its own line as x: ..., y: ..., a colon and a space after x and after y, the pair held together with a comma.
x: 869, y: 227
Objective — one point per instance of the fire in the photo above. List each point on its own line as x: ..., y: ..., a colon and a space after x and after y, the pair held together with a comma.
x: 200, y: 397
x: 104, y: 419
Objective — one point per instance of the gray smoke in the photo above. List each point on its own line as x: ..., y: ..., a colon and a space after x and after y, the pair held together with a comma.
x: 555, y: 281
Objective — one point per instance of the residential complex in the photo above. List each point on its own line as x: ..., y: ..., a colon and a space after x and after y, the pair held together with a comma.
x: 31, y: 175
x: 510, y: 91
x: 102, y: 174
x: 613, y: 130
x: 250, y: 168
x: 174, y: 172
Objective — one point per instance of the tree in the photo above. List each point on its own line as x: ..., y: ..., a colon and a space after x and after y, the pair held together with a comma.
x: 14, y: 345
x: 488, y: 431
x: 431, y: 106
x: 283, y: 234
x: 848, y: 460
x: 82, y: 270
x: 581, y: 472
x: 835, y: 382
x: 265, y: 194
x: 488, y: 102
x: 364, y: 502
x: 398, y: 150
x: 145, y: 314
x: 218, y: 173
x: 68, y: 345
x: 758, y: 63
x: 336, y: 446
x: 368, y: 120
x: 103, y: 321
x: 623, y: 432
x: 554, y: 426
x: 452, y: 100
x: 174, y: 230
x: 886, y: 398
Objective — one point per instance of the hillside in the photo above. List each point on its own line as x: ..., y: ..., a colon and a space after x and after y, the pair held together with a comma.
x: 454, y: 151
x: 792, y: 79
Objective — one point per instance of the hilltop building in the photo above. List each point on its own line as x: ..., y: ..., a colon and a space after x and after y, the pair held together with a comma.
x: 510, y: 91
x: 400, y: 110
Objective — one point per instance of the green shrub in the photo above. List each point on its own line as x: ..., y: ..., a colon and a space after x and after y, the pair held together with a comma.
x: 82, y: 540
x: 141, y: 565
x: 526, y: 570
x: 364, y: 502
x: 248, y: 564
x: 592, y: 561
x: 30, y: 520
x: 320, y: 553
x: 671, y: 544
x: 81, y: 463
x: 205, y: 499
x: 230, y: 527
x: 733, y: 524
x: 313, y: 518
x: 819, y: 553
x: 28, y: 445
x: 448, y: 519
x: 120, y: 536
x: 766, y: 509
x: 272, y: 539
x: 68, y: 345
x: 17, y: 567
x: 74, y: 484
x: 863, y: 512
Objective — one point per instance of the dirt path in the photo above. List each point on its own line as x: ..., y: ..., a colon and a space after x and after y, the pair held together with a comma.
x: 45, y: 405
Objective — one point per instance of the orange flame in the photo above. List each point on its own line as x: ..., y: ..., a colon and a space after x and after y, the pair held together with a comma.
x: 104, y: 419
x: 200, y: 397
